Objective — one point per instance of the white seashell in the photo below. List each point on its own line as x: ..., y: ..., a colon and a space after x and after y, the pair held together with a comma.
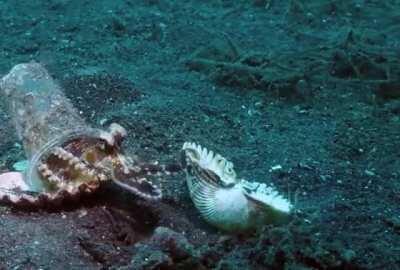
x: 224, y: 201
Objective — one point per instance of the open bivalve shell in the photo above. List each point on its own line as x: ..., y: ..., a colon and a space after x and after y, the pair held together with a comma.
x: 225, y: 201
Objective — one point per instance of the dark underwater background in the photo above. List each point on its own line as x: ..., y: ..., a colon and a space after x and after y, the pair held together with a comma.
x: 312, y: 86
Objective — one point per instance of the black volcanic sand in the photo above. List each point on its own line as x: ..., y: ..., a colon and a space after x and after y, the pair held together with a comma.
x: 314, y: 88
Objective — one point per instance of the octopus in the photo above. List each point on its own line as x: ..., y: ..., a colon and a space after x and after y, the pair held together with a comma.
x: 67, y: 157
x: 77, y: 166
x: 226, y: 201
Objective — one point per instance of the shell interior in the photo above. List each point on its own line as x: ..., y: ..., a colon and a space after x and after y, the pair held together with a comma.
x: 266, y: 195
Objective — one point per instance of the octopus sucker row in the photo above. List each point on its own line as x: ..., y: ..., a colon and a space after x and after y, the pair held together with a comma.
x: 63, y: 154
x: 44, y: 170
x: 77, y: 163
x: 44, y: 200
x: 153, y: 169
x: 16, y: 198
x: 156, y: 195
x: 14, y: 191
x: 74, y: 163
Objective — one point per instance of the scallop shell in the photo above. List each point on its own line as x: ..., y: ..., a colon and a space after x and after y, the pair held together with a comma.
x: 225, y: 201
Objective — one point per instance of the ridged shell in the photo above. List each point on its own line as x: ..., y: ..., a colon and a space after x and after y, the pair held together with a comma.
x: 223, y: 200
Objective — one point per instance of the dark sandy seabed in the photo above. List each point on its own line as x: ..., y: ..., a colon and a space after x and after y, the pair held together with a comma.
x: 312, y: 87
